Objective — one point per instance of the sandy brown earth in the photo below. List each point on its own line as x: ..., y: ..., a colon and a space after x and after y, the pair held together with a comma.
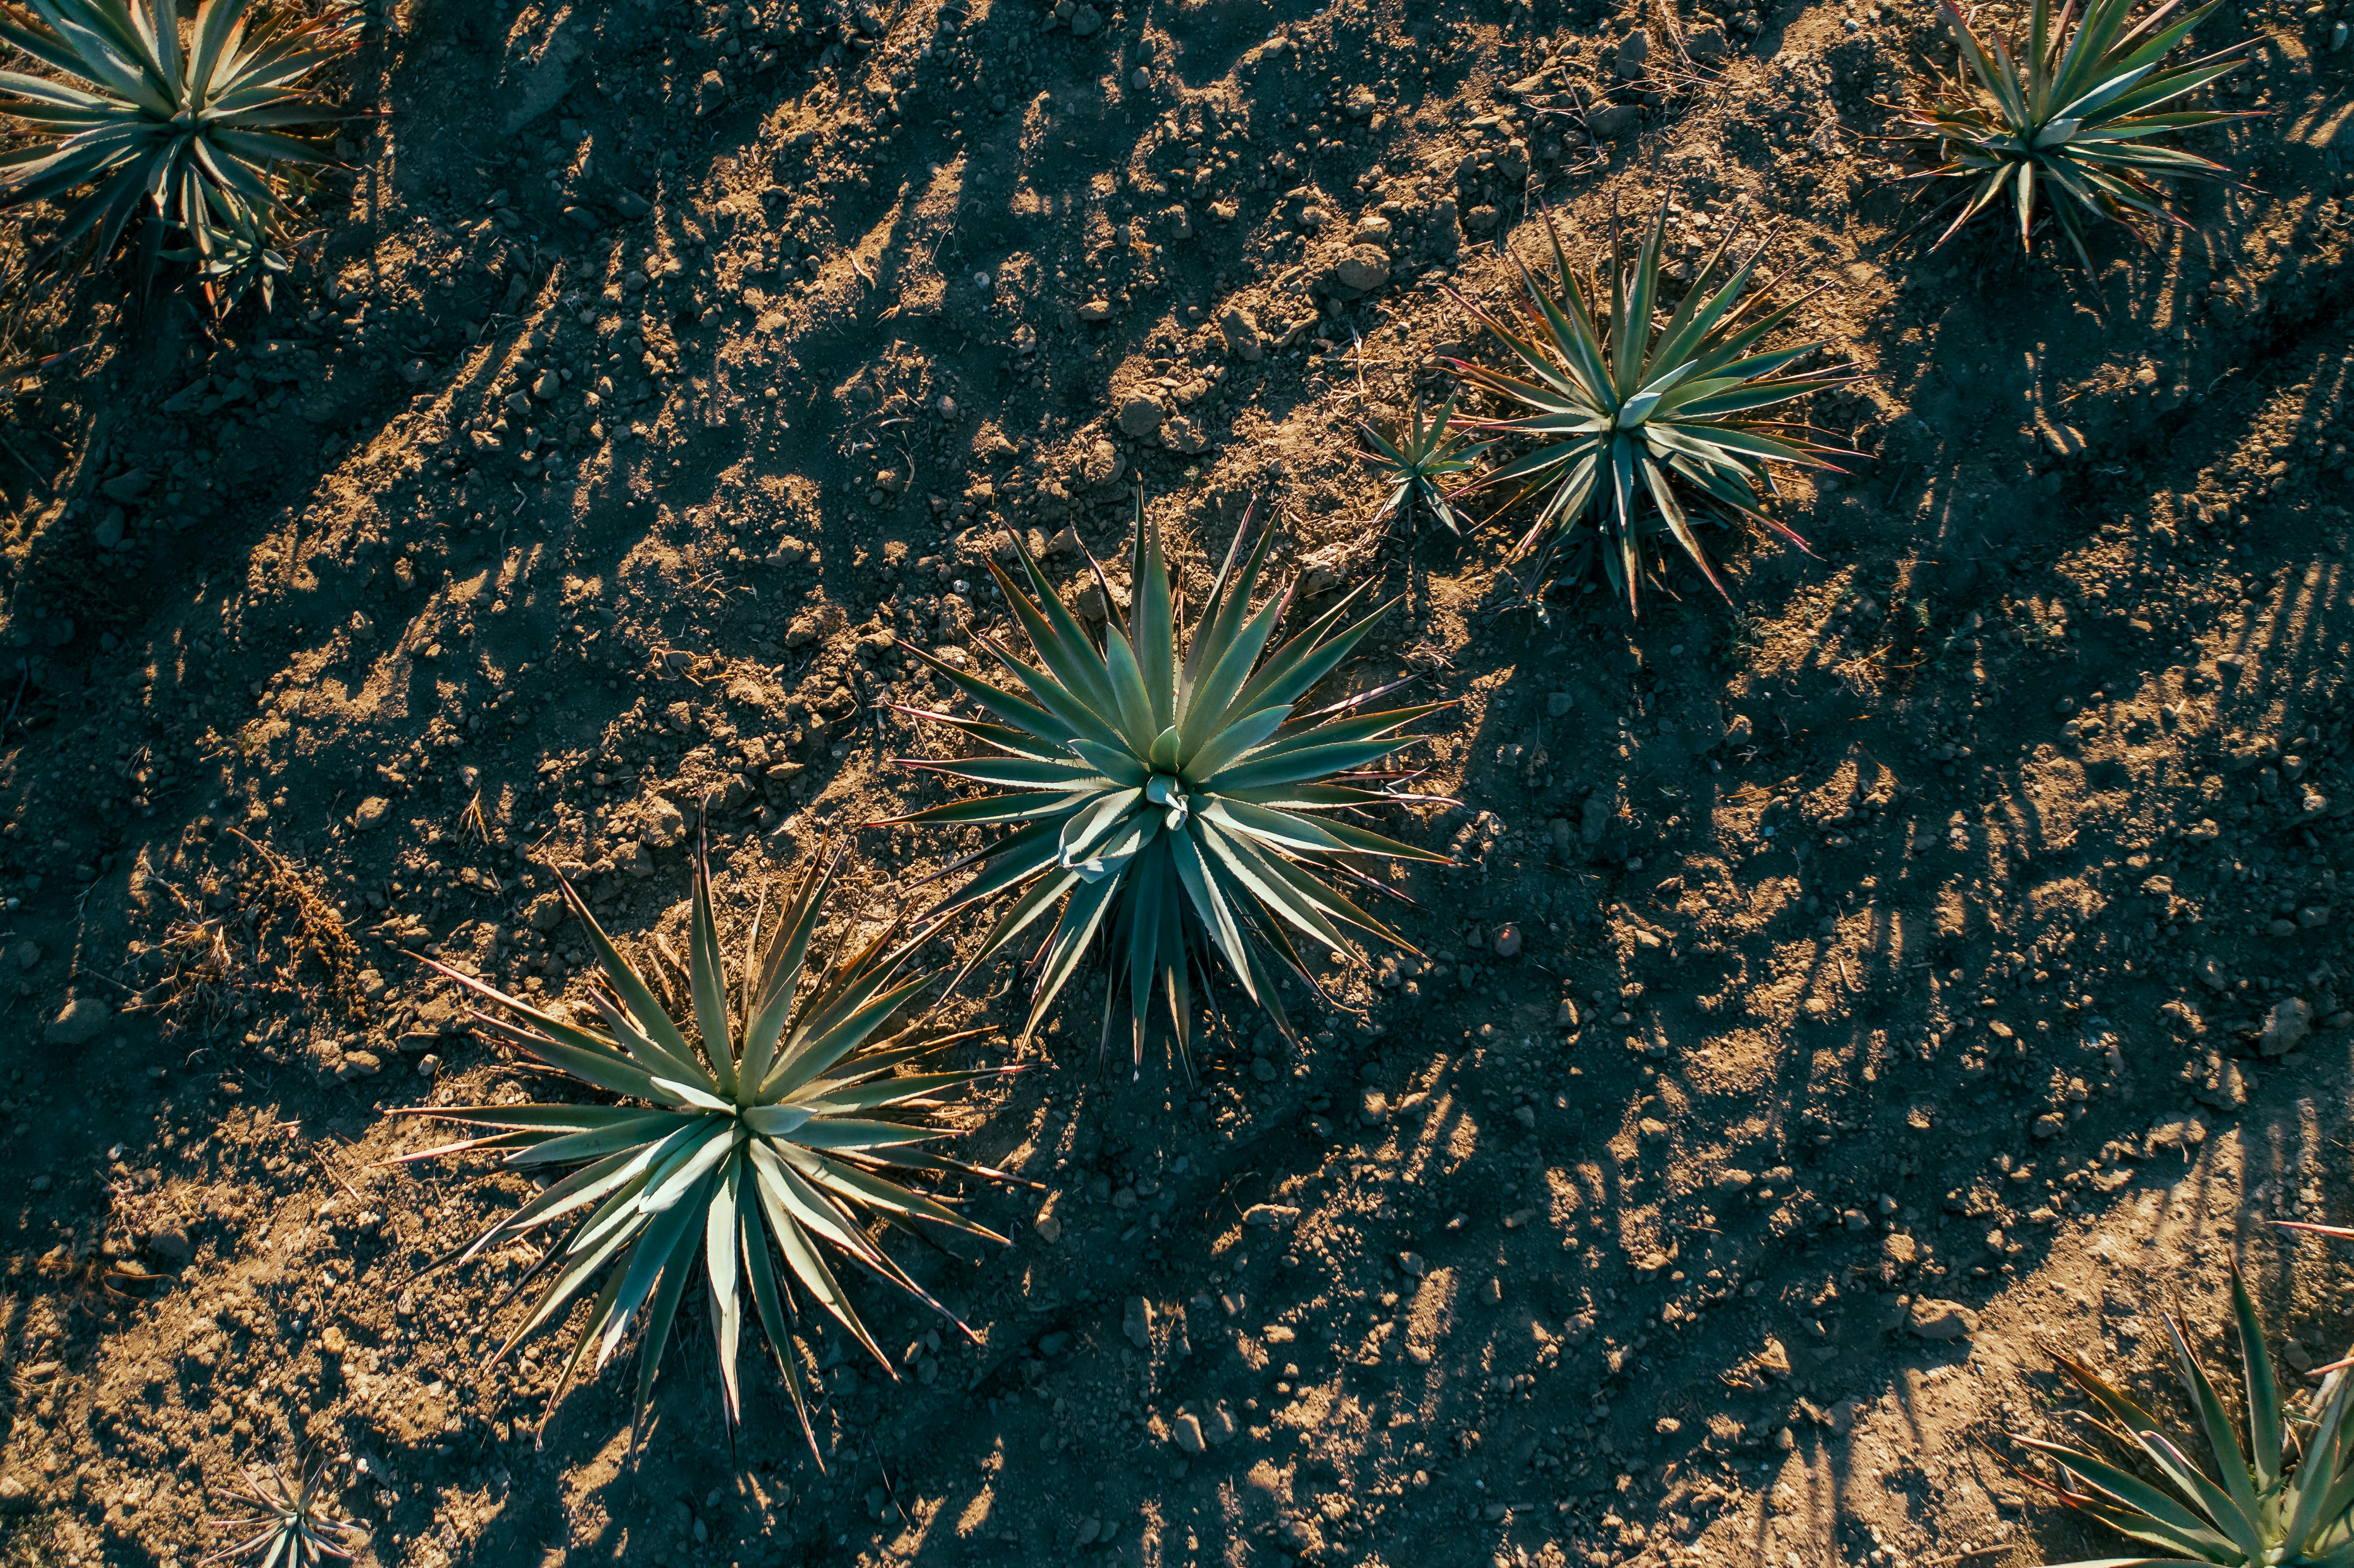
x: 1930, y: 957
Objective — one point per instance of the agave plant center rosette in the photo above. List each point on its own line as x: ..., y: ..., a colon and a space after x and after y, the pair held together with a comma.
x: 1417, y: 458
x: 2076, y: 117
x: 1171, y: 801
x: 776, y: 1124
x: 1643, y: 426
x: 190, y: 132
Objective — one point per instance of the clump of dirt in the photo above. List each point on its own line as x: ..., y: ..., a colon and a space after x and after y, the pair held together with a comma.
x: 1838, y: 992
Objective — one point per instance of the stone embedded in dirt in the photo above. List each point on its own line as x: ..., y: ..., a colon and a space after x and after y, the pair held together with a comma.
x: 371, y: 812
x: 1940, y: 1320
x: 1633, y: 50
x: 663, y: 824
x: 127, y: 487
x: 546, y: 385
x: 1138, y: 1322
x: 2183, y: 1136
x: 1372, y: 229
x: 1141, y: 415
x: 1103, y: 464
x: 2285, y: 1027
x: 1049, y: 1227
x: 1614, y: 121
x: 111, y: 528
x: 1241, y: 330
x: 1708, y: 44
x: 1565, y: 1013
x: 1362, y: 270
x: 1187, y: 1431
x: 27, y: 954
x: 1738, y: 729
x: 171, y: 1244
x: 1410, y: 1265
x: 78, y: 1022
x: 1302, y: 1537
x: 2050, y: 1124
x: 710, y: 92
x: 2211, y: 973
x: 1096, y: 312
x: 1559, y: 703
x: 1372, y: 1107
x: 1183, y: 435
x: 1595, y: 819
x: 1507, y: 940
x: 1085, y: 22
x: 1480, y: 219
x: 1270, y: 1215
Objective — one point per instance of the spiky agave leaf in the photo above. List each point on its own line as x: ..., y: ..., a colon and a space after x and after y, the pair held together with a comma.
x: 2074, y: 115
x: 1169, y: 796
x: 2254, y: 1505
x: 294, y: 1524
x: 1643, y: 428
x: 154, y: 124
x: 1417, y: 458
x: 233, y: 250
x: 760, y: 1119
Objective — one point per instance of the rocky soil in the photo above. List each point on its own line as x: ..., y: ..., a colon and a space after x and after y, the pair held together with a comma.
x: 1840, y: 996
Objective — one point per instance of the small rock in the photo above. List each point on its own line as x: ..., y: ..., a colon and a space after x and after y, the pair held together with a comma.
x: 1633, y: 50
x: 79, y: 1022
x: 128, y: 487
x: 1183, y: 435
x: 1708, y: 44
x: 1241, y: 330
x: 1362, y: 270
x: 663, y: 823
x: 171, y: 1244
x: 1372, y: 229
x: 1559, y: 703
x: 371, y: 812
x: 1187, y: 1430
x: 1614, y: 121
x: 1480, y: 219
x: 2287, y: 1026
x: 428, y: 1065
x: 1049, y: 1228
x: 110, y: 529
x: 546, y: 385
x: 1270, y: 1215
x: 1302, y: 1537
x: 1738, y: 729
x: 1096, y: 312
x: 1141, y: 415
x: 710, y: 92
x: 1410, y: 1265
x: 1138, y: 1322
x: 2212, y: 974
x: 2182, y: 1136
x: 1595, y: 819
x: 1508, y: 941
x: 1085, y: 22
x: 1940, y: 1320
x: 2050, y: 1124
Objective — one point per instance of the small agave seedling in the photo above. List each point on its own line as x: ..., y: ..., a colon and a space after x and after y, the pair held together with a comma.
x: 774, y: 1122
x: 180, y: 132
x: 2286, y: 1500
x: 1416, y: 459
x: 294, y: 1525
x: 1171, y: 799
x: 2075, y: 117
x: 1643, y: 428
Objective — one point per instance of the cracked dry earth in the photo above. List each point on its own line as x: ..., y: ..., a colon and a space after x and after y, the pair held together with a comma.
x: 1839, y: 997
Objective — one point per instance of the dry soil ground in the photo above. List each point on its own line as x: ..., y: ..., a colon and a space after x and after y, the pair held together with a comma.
x: 1897, y: 946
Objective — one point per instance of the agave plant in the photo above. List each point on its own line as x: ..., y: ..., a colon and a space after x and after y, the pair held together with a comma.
x: 294, y: 1526
x: 1171, y: 799
x: 2284, y: 1498
x: 2075, y: 115
x: 181, y: 130
x: 1417, y: 458
x: 1644, y: 429
x: 774, y: 1122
